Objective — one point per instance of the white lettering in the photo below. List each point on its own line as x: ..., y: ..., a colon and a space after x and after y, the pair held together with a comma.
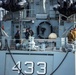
x: 17, y: 67
x: 30, y: 67
x: 42, y: 68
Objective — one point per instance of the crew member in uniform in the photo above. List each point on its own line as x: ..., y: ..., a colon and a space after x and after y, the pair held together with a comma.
x: 27, y: 33
x: 17, y: 39
x: 31, y: 33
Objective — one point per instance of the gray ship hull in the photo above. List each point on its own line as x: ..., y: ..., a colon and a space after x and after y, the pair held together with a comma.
x: 36, y: 63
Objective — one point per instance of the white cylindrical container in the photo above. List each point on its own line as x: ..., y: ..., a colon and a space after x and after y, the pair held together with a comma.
x: 43, y: 46
x: 31, y: 43
x: 62, y: 41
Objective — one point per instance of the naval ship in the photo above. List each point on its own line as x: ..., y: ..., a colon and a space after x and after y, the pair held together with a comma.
x: 48, y: 51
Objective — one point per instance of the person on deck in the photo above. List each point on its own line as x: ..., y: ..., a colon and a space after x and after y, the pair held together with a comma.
x: 17, y: 37
x: 27, y: 33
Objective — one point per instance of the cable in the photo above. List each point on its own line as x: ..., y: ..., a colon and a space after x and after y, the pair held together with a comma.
x: 60, y: 63
x: 13, y: 58
x: 10, y: 51
x: 22, y: 72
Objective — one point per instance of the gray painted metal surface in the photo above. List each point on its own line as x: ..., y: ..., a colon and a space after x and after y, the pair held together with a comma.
x: 36, y: 62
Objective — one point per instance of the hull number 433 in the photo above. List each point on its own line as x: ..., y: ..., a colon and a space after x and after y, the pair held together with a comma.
x: 42, y: 67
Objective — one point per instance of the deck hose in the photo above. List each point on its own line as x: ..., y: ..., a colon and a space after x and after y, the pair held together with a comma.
x: 13, y: 57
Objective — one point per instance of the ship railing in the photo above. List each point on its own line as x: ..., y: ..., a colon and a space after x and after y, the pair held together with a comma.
x: 66, y: 31
x: 39, y: 45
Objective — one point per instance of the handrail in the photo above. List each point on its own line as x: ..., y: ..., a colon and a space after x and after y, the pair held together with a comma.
x: 65, y: 33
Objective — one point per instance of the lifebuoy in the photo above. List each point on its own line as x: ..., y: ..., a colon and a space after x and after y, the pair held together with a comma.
x: 38, y: 29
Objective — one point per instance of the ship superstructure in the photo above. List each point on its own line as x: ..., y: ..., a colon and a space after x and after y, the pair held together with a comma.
x: 48, y: 51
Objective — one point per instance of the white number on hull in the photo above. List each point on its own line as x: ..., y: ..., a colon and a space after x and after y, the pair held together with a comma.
x: 31, y: 66
x: 42, y: 68
x: 17, y: 67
